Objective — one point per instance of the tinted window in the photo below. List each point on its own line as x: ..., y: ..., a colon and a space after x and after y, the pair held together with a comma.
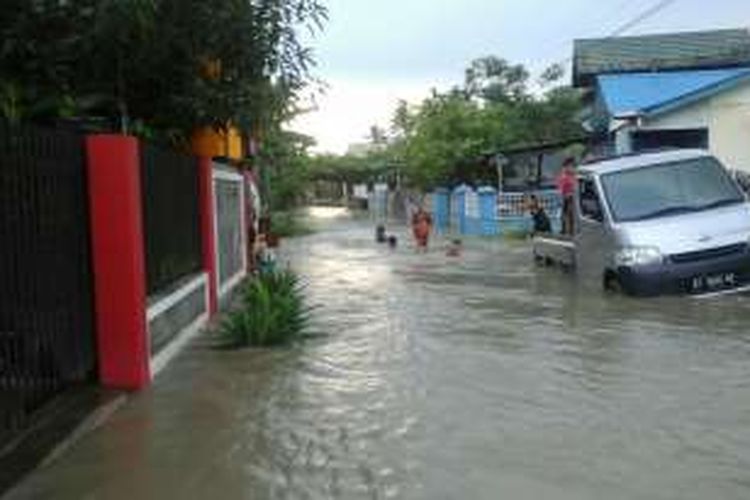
x: 743, y: 179
x: 669, y: 189
x: 589, y: 200
x: 644, y: 140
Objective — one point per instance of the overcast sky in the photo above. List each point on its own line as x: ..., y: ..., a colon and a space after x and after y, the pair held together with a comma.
x: 374, y: 52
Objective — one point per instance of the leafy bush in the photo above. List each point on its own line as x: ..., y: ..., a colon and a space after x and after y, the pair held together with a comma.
x: 288, y: 224
x: 272, y: 312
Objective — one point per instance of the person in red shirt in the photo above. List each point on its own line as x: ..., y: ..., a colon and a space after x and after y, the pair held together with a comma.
x: 421, y: 223
x: 566, y: 185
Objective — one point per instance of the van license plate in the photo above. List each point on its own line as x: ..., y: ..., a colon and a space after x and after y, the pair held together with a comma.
x: 713, y: 282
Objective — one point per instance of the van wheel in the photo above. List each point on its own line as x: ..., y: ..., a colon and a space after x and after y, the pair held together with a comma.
x: 612, y: 282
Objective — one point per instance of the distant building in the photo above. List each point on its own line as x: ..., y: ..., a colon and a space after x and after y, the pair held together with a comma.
x: 536, y: 167
x: 670, y: 90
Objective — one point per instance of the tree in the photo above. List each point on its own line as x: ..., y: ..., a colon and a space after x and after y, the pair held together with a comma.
x: 402, y: 123
x: 493, y: 79
x: 551, y: 75
x: 284, y: 158
x: 377, y: 136
x: 443, y: 140
x: 169, y: 65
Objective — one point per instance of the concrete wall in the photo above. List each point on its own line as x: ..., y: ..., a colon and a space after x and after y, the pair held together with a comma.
x: 174, y: 318
x: 727, y: 117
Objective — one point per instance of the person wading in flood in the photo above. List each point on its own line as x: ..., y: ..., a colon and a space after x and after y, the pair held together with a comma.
x: 421, y: 225
x: 539, y: 216
x: 566, y: 184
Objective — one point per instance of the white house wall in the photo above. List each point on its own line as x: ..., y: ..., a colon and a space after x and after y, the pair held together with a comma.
x: 729, y: 134
x: 727, y: 117
x: 696, y: 115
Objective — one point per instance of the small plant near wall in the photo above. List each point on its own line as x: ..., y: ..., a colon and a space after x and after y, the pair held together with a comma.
x: 272, y: 312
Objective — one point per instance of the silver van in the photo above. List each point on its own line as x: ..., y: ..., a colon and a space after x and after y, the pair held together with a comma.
x: 667, y: 222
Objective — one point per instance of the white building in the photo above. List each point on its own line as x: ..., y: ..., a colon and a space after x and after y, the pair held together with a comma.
x: 675, y: 90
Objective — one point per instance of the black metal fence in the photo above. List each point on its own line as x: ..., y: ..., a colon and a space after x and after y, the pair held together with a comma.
x: 171, y: 216
x: 46, y: 319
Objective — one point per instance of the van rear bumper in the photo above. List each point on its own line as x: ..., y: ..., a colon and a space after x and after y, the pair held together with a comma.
x: 679, y: 278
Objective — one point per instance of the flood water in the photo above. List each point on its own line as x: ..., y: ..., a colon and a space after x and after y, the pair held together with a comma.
x: 479, y: 377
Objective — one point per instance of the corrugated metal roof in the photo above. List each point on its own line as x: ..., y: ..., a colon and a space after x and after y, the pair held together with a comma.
x: 689, y: 50
x: 651, y: 93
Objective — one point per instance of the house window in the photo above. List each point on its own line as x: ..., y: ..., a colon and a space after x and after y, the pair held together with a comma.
x: 649, y: 140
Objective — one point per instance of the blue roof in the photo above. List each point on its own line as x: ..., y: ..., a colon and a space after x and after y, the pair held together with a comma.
x: 658, y: 92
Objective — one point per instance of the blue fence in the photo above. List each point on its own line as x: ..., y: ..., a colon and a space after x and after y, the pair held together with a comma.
x: 485, y: 212
x: 489, y: 223
x: 441, y: 202
x: 458, y: 209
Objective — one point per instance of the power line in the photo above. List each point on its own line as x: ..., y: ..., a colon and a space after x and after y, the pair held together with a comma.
x: 643, y: 16
x: 650, y: 12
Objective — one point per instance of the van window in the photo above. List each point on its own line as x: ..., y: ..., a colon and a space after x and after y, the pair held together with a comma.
x: 670, y: 189
x: 590, y: 206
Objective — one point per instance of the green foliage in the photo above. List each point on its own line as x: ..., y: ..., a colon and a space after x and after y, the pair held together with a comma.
x: 495, y: 80
x: 272, y: 312
x: 285, y: 165
x: 289, y: 224
x: 347, y: 168
x: 448, y: 137
x: 143, y: 63
x: 443, y: 139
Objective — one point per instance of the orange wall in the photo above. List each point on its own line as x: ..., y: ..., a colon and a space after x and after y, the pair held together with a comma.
x: 209, y: 142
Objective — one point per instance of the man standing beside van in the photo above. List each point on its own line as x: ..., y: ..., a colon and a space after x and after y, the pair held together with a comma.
x: 566, y: 185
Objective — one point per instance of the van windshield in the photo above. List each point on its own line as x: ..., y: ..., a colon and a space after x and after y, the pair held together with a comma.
x: 669, y: 189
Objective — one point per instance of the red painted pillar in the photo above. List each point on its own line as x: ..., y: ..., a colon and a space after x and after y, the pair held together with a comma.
x: 114, y: 180
x: 208, y: 228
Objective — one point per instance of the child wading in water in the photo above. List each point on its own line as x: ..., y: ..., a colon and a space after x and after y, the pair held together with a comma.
x: 421, y: 224
x: 454, y: 249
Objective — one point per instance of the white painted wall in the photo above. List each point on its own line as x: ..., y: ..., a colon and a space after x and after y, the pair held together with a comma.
x: 623, y: 142
x: 472, y: 204
x: 730, y: 128
x: 727, y: 117
x: 360, y: 191
x: 696, y: 115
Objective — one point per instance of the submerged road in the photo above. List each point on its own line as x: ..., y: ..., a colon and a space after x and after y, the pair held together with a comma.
x: 479, y: 377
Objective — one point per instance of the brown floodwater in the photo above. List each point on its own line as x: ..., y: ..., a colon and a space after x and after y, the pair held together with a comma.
x: 478, y: 377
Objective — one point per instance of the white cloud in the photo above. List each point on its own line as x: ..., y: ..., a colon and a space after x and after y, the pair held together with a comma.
x: 350, y: 107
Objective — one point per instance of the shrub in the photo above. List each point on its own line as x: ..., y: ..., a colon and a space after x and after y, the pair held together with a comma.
x: 289, y: 224
x: 272, y: 311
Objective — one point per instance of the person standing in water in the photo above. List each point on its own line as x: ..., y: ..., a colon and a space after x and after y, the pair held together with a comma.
x: 421, y: 224
x: 566, y: 185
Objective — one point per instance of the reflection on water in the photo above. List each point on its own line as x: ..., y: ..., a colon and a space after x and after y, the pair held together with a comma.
x: 326, y: 212
x: 483, y: 376
x: 437, y: 378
